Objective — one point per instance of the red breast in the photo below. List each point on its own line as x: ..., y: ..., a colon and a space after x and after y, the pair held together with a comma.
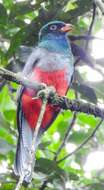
x: 31, y: 107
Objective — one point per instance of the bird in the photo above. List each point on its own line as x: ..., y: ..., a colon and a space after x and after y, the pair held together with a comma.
x: 51, y: 63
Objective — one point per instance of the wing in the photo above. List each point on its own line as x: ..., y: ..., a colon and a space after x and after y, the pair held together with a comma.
x: 24, y: 52
x: 32, y: 60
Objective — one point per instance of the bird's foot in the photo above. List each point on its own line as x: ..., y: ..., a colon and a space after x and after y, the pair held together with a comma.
x: 48, y: 92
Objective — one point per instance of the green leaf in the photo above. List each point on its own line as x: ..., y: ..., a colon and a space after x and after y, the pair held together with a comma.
x: 8, y: 4
x: 78, y: 137
x: 3, y: 123
x: 8, y: 186
x: 10, y: 115
x: 5, y: 134
x: 21, y: 8
x: 45, y: 165
x: 15, y: 42
x: 43, y: 145
x: 6, y: 102
x: 5, y: 147
x: 48, y: 167
x: 3, y: 14
x: 87, y: 119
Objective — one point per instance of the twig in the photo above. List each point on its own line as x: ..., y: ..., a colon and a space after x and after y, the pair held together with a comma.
x: 29, y: 170
x: 19, y: 184
x: 36, y: 132
x: 83, y: 143
x: 66, y: 136
x: 44, y: 185
x: 91, y: 25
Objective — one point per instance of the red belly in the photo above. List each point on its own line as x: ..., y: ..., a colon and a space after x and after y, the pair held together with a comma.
x: 31, y: 107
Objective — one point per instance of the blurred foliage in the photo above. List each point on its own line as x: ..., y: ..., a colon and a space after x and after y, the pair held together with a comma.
x: 20, y: 22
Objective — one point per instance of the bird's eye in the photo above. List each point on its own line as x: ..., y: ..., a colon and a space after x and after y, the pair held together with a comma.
x: 53, y: 27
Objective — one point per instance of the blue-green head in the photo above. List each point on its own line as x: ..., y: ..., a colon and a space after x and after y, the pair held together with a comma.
x: 53, y: 35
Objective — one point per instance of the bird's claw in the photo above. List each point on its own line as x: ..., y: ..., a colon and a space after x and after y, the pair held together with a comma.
x: 44, y: 85
x: 47, y: 92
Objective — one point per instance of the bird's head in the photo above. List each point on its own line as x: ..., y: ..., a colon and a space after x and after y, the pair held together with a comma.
x: 55, y: 28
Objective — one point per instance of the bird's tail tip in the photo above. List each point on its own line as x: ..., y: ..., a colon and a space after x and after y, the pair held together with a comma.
x: 26, y: 180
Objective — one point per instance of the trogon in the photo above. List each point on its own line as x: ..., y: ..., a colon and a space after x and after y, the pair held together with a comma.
x: 51, y: 62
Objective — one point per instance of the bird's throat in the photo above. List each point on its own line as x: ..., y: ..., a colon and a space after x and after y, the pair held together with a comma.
x: 59, y: 44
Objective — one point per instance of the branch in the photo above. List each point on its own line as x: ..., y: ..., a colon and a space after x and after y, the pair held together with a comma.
x: 79, y: 106
x: 66, y: 136
x: 10, y: 76
x: 46, y: 93
x: 44, y: 185
x: 62, y: 102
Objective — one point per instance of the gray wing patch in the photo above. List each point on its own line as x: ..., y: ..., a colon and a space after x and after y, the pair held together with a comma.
x: 32, y: 61
x: 24, y: 52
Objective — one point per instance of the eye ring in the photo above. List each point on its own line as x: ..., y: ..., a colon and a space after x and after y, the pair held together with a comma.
x: 53, y: 27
